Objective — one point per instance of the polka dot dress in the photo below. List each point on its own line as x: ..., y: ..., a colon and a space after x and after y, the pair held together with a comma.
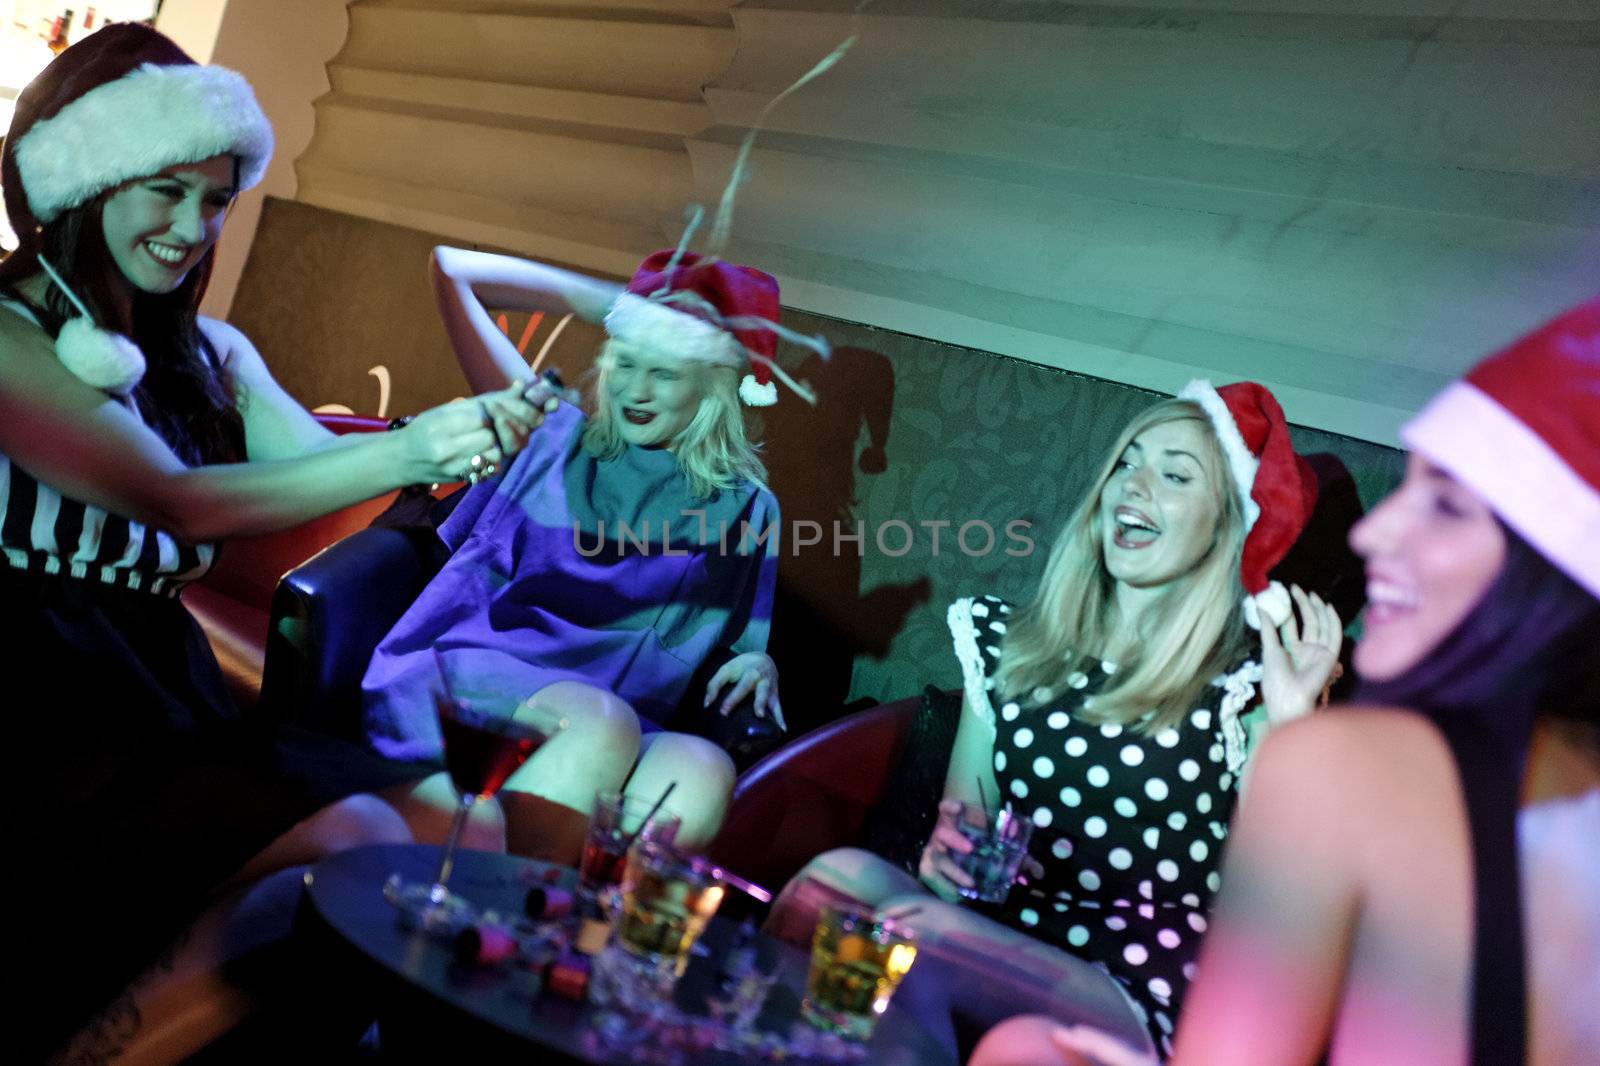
x: 1129, y: 828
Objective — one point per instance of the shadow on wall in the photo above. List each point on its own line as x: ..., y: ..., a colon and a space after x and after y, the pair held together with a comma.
x: 822, y: 619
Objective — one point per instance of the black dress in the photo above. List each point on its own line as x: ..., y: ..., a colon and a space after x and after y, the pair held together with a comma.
x: 1129, y: 828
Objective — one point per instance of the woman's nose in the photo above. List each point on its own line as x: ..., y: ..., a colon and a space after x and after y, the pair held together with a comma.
x: 188, y: 221
x: 1376, y: 530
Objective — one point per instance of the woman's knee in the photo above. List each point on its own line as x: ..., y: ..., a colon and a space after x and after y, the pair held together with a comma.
x: 347, y: 823
x: 843, y: 875
x: 429, y: 806
x: 700, y: 774
x: 1021, y: 1041
x: 594, y: 750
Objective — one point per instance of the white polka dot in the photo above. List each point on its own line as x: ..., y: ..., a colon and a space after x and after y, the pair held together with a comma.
x: 1188, y: 769
x: 1010, y: 711
x: 1147, y: 890
x: 1059, y: 908
x: 1156, y: 788
x: 1168, y: 939
x: 1108, y: 667
x: 1225, y: 782
x: 1076, y: 746
x: 1191, y: 900
x: 1159, y: 987
x: 1062, y: 848
x: 1214, y: 753
x: 1135, y: 954
x: 1167, y: 870
x: 1042, y: 695
x: 1071, y: 796
x: 1132, y: 755
x: 1095, y: 827
x: 1019, y: 788
x: 1121, y: 858
x: 1023, y: 738
x: 999, y: 760
x: 979, y: 610
x: 1057, y: 720
x: 1121, y: 903
x: 1089, y: 879
x: 1219, y: 830
x: 1077, y: 936
x: 997, y: 627
x: 1028, y: 916
x: 1111, y: 730
x: 1177, y: 819
x: 1044, y: 767
x: 1116, y: 923
x: 1152, y: 836
x: 1147, y: 911
x: 1168, y: 738
x: 1197, y: 922
x: 1198, y: 851
x: 1166, y: 1027
x: 1213, y: 880
x: 1077, y: 679
x: 1098, y: 776
x: 1042, y: 817
x: 1202, y: 802
x: 1201, y: 719
x: 1125, y: 807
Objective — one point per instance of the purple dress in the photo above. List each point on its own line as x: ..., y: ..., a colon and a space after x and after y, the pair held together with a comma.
x: 569, y: 567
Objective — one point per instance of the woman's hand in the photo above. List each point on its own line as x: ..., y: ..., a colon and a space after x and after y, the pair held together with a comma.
x: 750, y: 672
x: 939, y: 868
x: 1298, y: 664
x: 469, y: 440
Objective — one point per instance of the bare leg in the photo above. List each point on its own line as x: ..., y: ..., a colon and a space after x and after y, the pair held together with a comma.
x: 834, y: 876
x: 704, y: 774
x: 1023, y: 1041
x: 187, y: 999
x: 427, y: 807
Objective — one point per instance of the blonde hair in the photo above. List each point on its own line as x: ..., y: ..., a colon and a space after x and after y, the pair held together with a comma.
x: 1194, y: 632
x: 714, y: 450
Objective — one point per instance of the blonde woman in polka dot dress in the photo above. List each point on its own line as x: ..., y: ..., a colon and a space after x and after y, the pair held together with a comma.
x: 1107, y: 711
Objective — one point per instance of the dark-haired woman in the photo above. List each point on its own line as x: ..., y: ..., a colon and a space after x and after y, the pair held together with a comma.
x: 1417, y: 879
x: 134, y: 434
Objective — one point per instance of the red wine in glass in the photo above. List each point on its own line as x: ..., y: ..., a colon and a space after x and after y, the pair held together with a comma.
x: 481, y: 749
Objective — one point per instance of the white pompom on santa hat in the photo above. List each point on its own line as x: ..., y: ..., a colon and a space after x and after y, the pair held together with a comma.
x: 1276, y: 489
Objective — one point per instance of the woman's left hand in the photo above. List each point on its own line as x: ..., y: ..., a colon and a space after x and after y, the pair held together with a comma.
x: 750, y: 672
x: 1298, y: 663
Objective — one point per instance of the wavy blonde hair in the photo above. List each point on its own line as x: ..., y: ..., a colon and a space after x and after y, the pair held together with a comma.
x: 1192, y: 633
x: 714, y: 450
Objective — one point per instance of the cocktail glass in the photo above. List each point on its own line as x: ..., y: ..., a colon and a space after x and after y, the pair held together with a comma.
x: 857, y: 961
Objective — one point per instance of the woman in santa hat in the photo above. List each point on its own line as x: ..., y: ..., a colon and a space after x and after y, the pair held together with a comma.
x: 1415, y: 879
x: 134, y: 434
x: 632, y: 545
x: 1107, y: 711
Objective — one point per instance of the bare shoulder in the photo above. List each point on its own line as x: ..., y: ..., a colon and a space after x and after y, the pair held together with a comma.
x: 231, y: 345
x: 21, y: 334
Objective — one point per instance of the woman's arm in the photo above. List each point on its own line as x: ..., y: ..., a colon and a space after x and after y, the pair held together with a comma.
x: 466, y: 283
x: 69, y: 435
x: 1275, y: 956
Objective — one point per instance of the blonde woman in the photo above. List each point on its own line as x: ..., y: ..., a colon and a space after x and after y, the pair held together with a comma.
x: 1107, y: 711
x: 628, y: 546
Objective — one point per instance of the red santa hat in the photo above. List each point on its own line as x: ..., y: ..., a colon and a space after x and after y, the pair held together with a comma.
x: 1276, y: 489
x: 123, y: 103
x: 704, y: 309
x: 1522, y: 430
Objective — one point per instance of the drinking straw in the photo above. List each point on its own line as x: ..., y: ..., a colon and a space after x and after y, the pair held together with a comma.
x: 983, y: 797
x: 653, y: 812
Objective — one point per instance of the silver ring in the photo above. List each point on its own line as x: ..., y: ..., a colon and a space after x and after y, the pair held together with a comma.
x: 476, y: 462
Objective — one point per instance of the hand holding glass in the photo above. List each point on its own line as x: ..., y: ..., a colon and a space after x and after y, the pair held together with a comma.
x: 999, y: 844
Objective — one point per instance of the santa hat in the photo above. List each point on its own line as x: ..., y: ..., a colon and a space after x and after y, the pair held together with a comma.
x: 123, y: 103
x: 1522, y: 431
x: 1276, y: 489
x: 690, y: 307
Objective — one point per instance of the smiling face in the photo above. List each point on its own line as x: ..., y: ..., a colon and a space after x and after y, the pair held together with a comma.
x: 1160, y: 509
x: 1432, y: 549
x: 158, y: 228
x: 653, y: 398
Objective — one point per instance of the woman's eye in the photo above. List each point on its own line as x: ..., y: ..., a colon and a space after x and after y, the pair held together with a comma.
x: 1123, y: 464
x: 1179, y: 479
x: 171, y: 192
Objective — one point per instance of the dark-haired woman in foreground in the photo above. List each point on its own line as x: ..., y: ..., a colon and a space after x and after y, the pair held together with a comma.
x: 1417, y: 879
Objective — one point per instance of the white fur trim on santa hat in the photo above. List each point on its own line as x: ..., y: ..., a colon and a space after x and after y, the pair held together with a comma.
x: 152, y: 118
x: 1242, y: 462
x: 104, y: 359
x: 1526, y: 482
x: 755, y: 394
x: 666, y: 331
x: 1272, y: 601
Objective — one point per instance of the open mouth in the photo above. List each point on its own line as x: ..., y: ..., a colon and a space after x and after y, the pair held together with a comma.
x: 1387, y: 601
x: 170, y: 256
x: 637, y: 417
x: 1133, y: 530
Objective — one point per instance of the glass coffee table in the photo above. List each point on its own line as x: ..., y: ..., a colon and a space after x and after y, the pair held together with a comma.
x: 433, y: 1010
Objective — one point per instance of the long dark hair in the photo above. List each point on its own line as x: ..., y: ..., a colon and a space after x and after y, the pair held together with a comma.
x: 186, y: 395
x: 1529, y: 647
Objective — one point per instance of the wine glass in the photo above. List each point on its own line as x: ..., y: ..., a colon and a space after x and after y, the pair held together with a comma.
x: 482, y: 747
